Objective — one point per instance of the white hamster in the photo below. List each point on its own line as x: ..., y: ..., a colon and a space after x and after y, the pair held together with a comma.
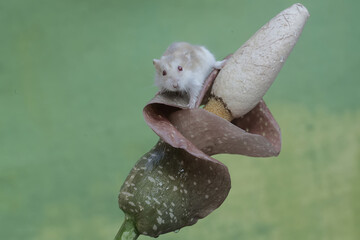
x: 183, y: 68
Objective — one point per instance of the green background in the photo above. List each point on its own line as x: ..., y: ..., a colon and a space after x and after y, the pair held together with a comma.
x: 75, y: 75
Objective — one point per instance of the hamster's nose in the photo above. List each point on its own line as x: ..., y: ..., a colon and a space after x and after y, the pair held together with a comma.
x: 175, y: 85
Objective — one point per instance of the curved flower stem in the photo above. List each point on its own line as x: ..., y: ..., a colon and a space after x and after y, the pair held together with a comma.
x: 127, y: 230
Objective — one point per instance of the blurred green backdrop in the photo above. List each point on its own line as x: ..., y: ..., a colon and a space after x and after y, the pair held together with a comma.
x: 75, y: 75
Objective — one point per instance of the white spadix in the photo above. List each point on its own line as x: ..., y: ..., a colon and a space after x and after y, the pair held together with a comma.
x: 251, y: 70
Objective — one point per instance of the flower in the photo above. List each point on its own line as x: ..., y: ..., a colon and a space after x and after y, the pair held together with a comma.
x: 178, y: 182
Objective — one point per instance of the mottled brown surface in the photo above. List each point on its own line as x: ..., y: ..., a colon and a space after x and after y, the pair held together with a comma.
x: 169, y: 188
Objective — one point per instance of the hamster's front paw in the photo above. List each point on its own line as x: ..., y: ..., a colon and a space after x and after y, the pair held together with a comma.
x: 220, y: 64
x: 191, y: 104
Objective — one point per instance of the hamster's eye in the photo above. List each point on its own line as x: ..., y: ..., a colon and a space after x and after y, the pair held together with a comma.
x: 180, y: 68
x: 164, y: 73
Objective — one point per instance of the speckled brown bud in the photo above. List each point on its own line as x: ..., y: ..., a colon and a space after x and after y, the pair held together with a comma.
x: 169, y: 188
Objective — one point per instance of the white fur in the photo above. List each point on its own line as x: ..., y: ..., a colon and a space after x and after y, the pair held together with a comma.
x: 189, y: 80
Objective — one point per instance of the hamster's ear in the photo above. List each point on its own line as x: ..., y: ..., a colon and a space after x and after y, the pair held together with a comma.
x: 156, y: 63
x: 188, y: 56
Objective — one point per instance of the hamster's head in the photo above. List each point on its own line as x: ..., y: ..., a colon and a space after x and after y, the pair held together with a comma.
x: 171, y: 74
